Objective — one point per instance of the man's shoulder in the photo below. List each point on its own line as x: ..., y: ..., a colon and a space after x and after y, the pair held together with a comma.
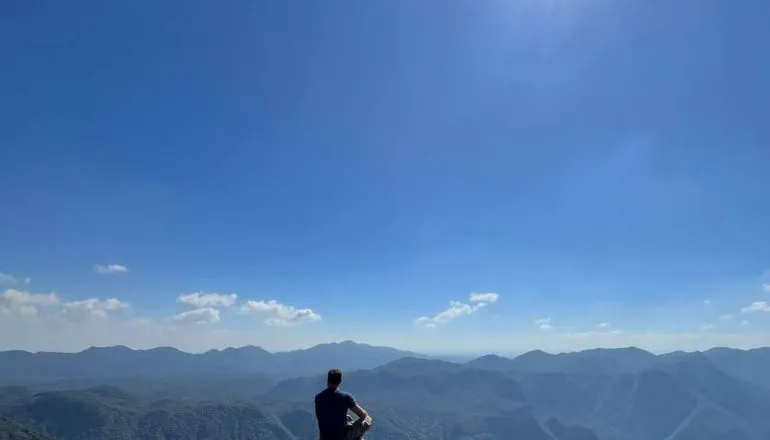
x: 346, y: 397
x: 334, y: 394
x: 344, y: 393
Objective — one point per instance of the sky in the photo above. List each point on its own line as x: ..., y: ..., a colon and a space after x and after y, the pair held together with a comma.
x: 440, y: 176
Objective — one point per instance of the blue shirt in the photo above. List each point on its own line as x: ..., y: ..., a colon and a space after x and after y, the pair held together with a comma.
x: 331, y: 411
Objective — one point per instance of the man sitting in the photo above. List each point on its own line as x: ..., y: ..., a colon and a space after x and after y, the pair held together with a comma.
x: 331, y: 411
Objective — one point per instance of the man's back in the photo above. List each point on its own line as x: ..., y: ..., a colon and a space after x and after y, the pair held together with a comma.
x: 331, y: 410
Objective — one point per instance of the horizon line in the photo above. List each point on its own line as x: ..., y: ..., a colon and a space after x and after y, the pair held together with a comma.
x: 422, y: 353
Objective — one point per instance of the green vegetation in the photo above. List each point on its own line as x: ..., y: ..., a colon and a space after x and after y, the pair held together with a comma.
x: 13, y: 431
x: 624, y: 394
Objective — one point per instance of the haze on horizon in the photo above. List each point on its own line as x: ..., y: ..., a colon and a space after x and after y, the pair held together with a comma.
x: 441, y: 177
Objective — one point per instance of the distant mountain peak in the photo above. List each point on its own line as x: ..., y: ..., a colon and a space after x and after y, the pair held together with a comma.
x: 535, y: 353
x: 491, y: 357
x: 113, y: 348
x: 243, y: 349
x: 492, y: 362
x: 165, y: 349
x: 415, y: 360
x: 415, y: 365
x: 630, y: 349
x: 253, y: 348
x: 347, y: 343
x: 121, y: 361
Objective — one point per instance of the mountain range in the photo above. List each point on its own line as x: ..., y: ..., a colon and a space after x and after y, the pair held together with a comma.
x: 603, y: 394
x: 19, y: 367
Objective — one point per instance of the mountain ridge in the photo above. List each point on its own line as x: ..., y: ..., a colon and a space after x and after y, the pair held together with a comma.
x: 120, y: 361
x: 602, y: 394
x: 96, y: 348
x: 22, y: 367
x: 92, y: 414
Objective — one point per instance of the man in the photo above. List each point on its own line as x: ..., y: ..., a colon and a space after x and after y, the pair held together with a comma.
x: 331, y: 411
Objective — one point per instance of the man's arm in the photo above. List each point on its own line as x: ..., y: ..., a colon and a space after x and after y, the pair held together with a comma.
x: 356, y: 408
x: 360, y: 412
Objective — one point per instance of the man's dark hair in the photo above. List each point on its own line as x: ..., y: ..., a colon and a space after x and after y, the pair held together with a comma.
x: 334, y: 377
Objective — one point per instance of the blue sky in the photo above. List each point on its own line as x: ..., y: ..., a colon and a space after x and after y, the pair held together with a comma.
x: 362, y: 164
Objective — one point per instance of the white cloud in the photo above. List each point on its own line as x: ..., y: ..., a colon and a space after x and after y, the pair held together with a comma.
x: 758, y: 306
x: 603, y: 325
x: 278, y: 314
x: 484, y: 297
x: 207, y: 315
x: 745, y: 323
x: 706, y: 327
x: 26, y: 298
x: 544, y: 324
x: 457, y: 309
x: 54, y: 332
x: 766, y: 287
x: 27, y: 310
x: 6, y: 278
x: 110, y: 269
x: 590, y: 334
x: 91, y: 307
x: 26, y: 303
x: 706, y: 302
x: 726, y: 317
x: 203, y: 300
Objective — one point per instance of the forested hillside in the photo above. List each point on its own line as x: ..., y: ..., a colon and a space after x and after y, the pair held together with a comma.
x: 623, y: 394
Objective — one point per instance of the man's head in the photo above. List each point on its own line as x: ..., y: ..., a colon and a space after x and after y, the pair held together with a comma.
x: 334, y: 378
